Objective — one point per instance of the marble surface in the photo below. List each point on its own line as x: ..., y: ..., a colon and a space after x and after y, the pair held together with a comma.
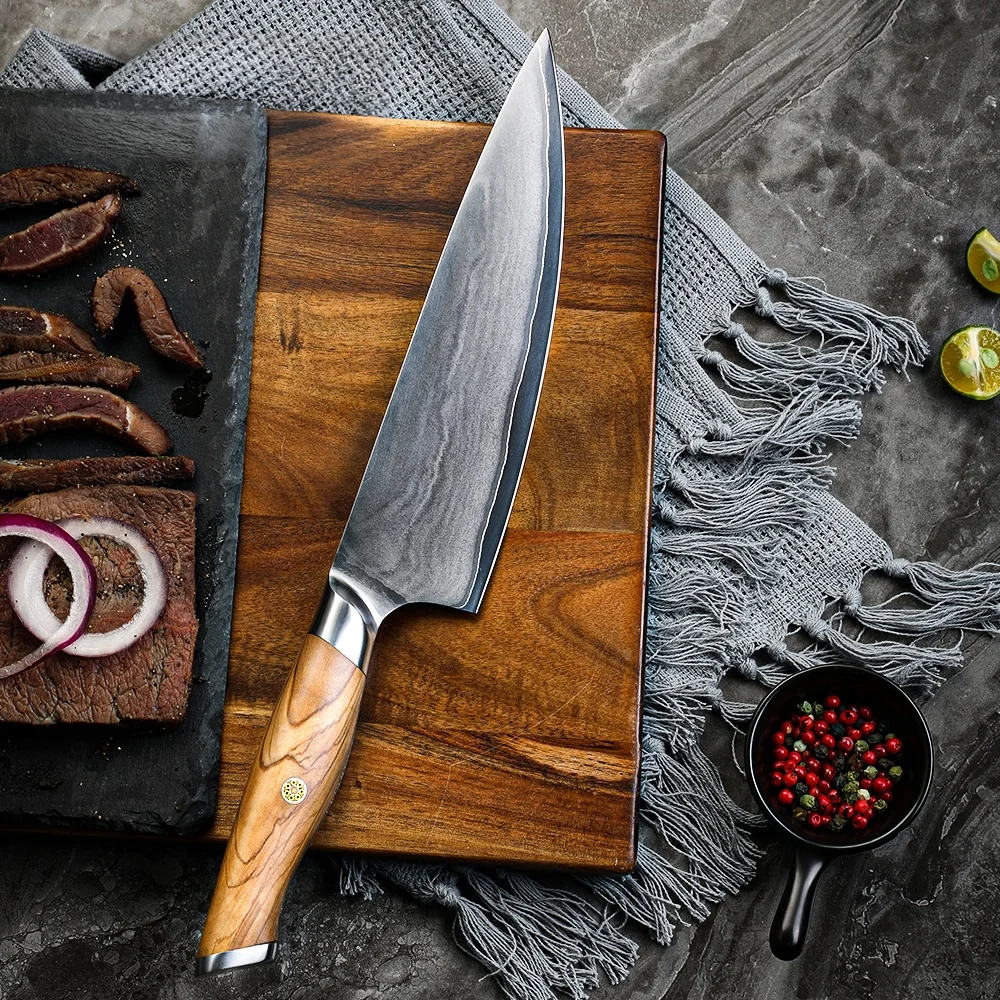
x: 852, y: 141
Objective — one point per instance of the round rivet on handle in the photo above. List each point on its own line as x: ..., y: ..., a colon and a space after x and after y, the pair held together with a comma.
x: 294, y: 790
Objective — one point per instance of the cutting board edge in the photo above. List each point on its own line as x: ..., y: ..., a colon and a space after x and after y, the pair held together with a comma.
x: 651, y: 450
x: 378, y: 122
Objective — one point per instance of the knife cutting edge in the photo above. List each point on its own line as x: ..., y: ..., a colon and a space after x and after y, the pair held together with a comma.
x: 431, y: 511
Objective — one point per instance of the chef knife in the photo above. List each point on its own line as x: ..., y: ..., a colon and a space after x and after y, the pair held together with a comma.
x: 431, y: 510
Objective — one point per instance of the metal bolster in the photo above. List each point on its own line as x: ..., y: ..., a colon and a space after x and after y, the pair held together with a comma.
x: 339, y: 622
x: 255, y: 954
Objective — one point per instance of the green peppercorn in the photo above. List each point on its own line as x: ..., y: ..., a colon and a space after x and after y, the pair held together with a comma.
x: 799, y: 815
x: 871, y: 771
x: 838, y: 823
x: 805, y: 707
x: 799, y: 746
x: 837, y: 730
x: 807, y: 801
x: 861, y: 746
x: 850, y: 791
x: 800, y: 788
x: 863, y: 793
x: 881, y: 805
x: 888, y: 736
x: 895, y: 772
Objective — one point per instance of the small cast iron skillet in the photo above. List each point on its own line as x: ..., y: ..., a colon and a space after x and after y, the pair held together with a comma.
x: 813, y: 851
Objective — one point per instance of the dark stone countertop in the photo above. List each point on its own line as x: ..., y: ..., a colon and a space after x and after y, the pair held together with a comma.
x: 852, y: 141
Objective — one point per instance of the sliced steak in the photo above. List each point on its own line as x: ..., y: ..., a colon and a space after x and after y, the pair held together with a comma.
x: 40, y: 475
x: 150, y: 680
x: 72, y: 369
x: 155, y: 319
x: 60, y: 238
x: 27, y: 410
x: 24, y: 329
x: 59, y: 184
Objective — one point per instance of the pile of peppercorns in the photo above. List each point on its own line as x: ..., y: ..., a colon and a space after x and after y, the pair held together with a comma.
x: 834, y: 765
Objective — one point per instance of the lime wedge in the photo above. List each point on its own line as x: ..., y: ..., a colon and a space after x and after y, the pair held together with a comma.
x: 970, y: 361
x: 983, y: 257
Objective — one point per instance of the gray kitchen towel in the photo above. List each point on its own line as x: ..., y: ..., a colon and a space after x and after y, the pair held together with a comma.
x: 755, y: 568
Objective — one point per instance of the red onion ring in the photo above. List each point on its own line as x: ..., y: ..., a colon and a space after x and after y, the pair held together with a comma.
x: 26, y: 576
x: 50, y: 538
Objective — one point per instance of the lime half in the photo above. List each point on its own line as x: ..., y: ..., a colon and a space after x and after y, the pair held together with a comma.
x: 970, y: 362
x: 983, y: 257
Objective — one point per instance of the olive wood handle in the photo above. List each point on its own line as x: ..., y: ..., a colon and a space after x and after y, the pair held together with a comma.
x: 305, y: 749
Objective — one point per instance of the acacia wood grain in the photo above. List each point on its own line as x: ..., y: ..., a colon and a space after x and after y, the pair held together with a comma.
x: 307, y: 738
x: 511, y: 735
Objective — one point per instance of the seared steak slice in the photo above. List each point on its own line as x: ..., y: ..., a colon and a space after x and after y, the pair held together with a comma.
x: 40, y: 475
x: 73, y: 369
x: 60, y: 238
x: 27, y: 410
x: 24, y: 329
x: 155, y: 319
x: 59, y: 184
x: 151, y: 679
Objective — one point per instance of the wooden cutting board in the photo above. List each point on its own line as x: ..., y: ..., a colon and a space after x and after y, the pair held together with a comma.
x: 512, y: 735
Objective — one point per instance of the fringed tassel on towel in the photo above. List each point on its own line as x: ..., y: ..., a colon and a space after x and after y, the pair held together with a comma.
x: 952, y: 599
x: 781, y: 371
x: 356, y: 878
x: 736, y: 499
x: 805, y: 424
x: 808, y: 308
x: 802, y: 424
x: 534, y: 939
x: 909, y: 665
x: 706, y: 854
x: 740, y: 553
x: 646, y: 895
x: 572, y: 934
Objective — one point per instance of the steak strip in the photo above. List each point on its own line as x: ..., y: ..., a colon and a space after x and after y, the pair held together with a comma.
x: 27, y: 410
x: 73, y: 369
x: 60, y: 238
x: 58, y: 184
x: 24, y: 329
x: 163, y: 334
x: 43, y: 475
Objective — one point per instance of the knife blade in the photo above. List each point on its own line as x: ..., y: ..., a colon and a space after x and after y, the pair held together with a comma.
x: 432, y: 508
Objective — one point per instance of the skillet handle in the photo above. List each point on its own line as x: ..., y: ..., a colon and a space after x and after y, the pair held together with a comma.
x: 791, y: 919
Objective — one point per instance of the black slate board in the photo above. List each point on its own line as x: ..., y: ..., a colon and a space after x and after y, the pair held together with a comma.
x: 195, y: 229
